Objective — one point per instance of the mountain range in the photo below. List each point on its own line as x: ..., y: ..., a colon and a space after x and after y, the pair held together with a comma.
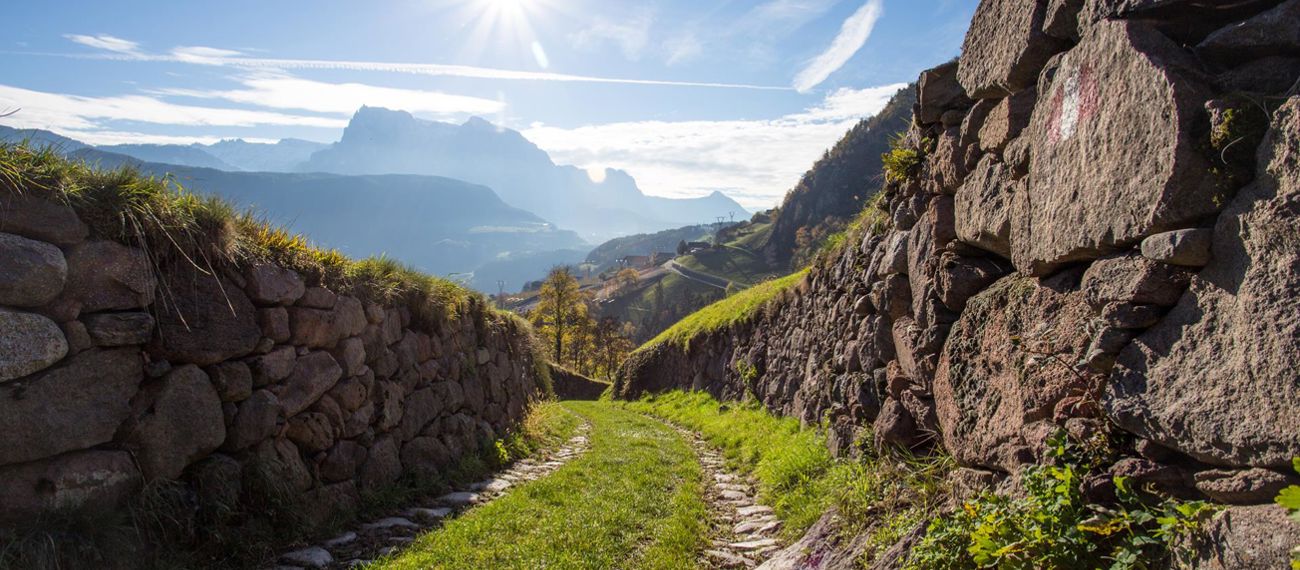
x: 445, y: 198
x: 380, y: 140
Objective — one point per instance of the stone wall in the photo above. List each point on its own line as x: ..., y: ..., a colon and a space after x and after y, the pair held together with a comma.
x: 570, y: 385
x: 1103, y: 235
x: 116, y: 372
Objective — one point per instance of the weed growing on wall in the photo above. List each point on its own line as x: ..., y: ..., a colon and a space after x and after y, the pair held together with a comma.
x: 1053, y: 525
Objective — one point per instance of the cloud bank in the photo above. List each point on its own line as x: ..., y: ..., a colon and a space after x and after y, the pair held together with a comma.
x: 755, y: 161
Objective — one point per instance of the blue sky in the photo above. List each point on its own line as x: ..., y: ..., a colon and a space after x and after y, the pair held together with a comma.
x: 689, y: 96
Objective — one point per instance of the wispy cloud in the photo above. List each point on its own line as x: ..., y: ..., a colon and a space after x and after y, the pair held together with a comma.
x: 682, y: 47
x: 755, y: 161
x: 231, y: 58
x: 63, y: 112
x: 853, y: 34
x: 106, y: 43
x: 630, y: 34
x: 279, y: 91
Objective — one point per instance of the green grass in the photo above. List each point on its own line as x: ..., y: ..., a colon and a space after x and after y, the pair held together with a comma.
x: 730, y: 263
x: 633, y: 500
x: 885, y: 495
x: 726, y: 312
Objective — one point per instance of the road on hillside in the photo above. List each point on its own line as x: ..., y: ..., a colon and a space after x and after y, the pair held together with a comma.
x: 693, y: 275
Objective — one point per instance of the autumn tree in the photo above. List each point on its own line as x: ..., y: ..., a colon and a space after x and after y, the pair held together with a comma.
x: 612, y: 344
x: 560, y: 309
x: 626, y: 279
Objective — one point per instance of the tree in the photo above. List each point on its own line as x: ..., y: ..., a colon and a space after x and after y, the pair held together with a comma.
x: 681, y: 247
x: 626, y: 279
x: 612, y: 344
x: 560, y: 308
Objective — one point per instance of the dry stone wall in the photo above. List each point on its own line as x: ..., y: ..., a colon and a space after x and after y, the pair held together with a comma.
x: 1103, y: 235
x: 115, y: 372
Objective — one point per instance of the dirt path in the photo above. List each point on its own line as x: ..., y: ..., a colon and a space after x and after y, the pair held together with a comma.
x: 381, y: 536
x: 744, y: 532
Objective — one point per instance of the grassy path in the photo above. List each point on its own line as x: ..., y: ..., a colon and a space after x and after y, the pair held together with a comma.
x: 633, y: 500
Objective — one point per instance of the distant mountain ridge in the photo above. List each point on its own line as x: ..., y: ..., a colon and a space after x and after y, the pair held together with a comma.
x: 382, y: 140
x: 436, y: 224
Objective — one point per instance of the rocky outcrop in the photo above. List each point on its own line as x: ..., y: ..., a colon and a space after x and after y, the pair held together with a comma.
x: 119, y: 369
x: 1100, y: 238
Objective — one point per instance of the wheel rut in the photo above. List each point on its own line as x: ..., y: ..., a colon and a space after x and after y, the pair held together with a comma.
x: 388, y: 534
x: 744, y: 532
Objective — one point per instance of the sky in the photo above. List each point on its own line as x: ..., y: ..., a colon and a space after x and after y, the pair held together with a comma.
x: 688, y: 96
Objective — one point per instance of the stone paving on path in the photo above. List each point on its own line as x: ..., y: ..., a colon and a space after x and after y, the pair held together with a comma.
x: 745, y: 533
x: 384, y: 535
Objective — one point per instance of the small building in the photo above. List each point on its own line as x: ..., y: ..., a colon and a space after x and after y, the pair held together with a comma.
x: 661, y: 257
x: 635, y: 261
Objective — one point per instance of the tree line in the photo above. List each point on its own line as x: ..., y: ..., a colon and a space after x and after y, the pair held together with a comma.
x: 565, y: 317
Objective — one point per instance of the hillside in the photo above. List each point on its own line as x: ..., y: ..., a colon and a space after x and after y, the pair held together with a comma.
x: 384, y: 141
x: 180, y: 155
x: 607, y: 255
x: 832, y: 192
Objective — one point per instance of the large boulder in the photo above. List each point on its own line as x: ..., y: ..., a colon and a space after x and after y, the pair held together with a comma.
x: 982, y: 207
x: 1216, y: 379
x: 206, y: 320
x: 270, y: 284
x: 938, y: 91
x: 313, y: 375
x: 1243, y: 538
x: 119, y: 329
x: 1116, y: 150
x: 181, y: 422
x: 34, y: 271
x: 383, y: 464
x: 255, y: 420
x: 1005, y: 47
x: 107, y: 276
x: 28, y: 343
x: 37, y: 217
x: 276, y: 465
x: 77, y: 405
x: 82, y: 480
x: 1009, y: 361
x: 1273, y: 32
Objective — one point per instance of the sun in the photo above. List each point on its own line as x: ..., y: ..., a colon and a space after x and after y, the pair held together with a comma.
x: 510, y: 24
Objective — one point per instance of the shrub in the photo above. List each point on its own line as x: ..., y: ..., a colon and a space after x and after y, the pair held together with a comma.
x: 1053, y: 526
x: 904, y: 157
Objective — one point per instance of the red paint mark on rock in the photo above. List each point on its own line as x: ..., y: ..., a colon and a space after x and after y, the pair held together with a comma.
x: 1073, y: 103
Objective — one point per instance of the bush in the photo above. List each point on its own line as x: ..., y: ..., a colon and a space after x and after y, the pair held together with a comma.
x: 904, y: 157
x: 1053, y: 526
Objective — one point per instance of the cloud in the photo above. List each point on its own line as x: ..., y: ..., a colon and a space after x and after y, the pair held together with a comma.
x: 853, y: 34
x: 106, y: 43
x: 63, y: 113
x: 280, y: 91
x: 681, y: 48
x: 754, y: 161
x: 210, y: 56
x: 630, y: 36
